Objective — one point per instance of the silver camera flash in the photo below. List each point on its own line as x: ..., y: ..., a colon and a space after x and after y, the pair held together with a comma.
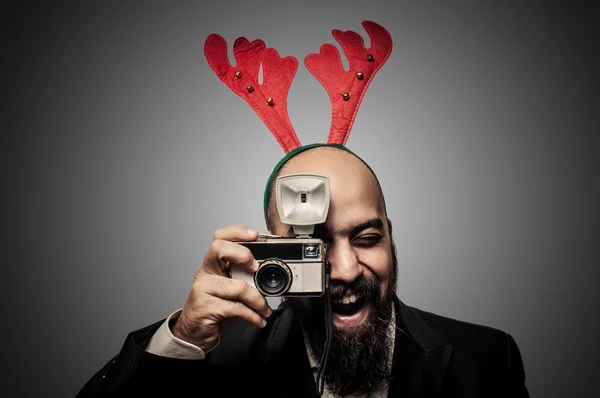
x: 302, y: 201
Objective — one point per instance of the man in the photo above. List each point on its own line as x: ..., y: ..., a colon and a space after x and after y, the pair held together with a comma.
x: 226, y: 342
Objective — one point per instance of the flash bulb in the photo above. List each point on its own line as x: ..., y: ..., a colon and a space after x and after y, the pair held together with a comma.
x: 302, y: 201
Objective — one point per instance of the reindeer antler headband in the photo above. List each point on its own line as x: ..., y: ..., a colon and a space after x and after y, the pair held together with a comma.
x: 346, y: 89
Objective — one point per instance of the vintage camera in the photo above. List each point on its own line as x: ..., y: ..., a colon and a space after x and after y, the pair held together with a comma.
x: 292, y: 266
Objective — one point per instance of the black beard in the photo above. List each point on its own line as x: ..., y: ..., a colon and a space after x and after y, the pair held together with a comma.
x: 359, y: 355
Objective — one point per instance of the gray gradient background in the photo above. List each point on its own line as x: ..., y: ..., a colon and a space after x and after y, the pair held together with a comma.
x: 124, y: 152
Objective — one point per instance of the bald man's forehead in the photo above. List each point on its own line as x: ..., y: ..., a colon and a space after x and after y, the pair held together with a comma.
x: 324, y: 158
x: 323, y: 152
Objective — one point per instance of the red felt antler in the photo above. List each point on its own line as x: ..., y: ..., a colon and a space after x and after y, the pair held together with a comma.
x: 347, y: 88
x: 269, y: 99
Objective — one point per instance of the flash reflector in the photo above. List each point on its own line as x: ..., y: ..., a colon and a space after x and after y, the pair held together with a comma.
x: 302, y: 200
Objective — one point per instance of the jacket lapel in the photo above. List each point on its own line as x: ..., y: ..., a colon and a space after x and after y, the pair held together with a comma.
x: 284, y: 354
x: 420, y: 356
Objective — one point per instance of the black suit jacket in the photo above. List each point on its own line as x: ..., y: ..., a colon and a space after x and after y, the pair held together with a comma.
x: 434, y: 356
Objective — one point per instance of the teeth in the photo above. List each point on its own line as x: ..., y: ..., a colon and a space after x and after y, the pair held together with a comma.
x: 349, y: 299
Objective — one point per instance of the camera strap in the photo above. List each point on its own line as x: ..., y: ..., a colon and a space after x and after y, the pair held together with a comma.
x: 328, y: 337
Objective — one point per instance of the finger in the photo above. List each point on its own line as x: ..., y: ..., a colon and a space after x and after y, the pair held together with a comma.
x: 230, y: 309
x: 221, y: 252
x: 237, y: 290
x: 235, y: 232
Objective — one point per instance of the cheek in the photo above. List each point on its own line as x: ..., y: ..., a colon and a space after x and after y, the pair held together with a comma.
x: 377, y: 261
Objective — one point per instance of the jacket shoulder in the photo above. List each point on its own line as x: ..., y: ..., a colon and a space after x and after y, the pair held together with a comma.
x: 483, y: 358
x: 470, y: 338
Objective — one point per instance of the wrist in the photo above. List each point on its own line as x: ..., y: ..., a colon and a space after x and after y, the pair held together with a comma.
x: 181, y: 330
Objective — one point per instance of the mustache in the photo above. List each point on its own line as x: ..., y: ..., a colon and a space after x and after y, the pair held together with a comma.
x: 361, y: 286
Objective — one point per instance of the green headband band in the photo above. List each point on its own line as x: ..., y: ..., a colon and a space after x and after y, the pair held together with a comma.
x: 293, y: 153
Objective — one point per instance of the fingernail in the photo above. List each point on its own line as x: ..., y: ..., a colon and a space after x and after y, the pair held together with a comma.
x: 269, y: 312
x: 255, y: 265
x: 264, y: 323
x: 251, y: 232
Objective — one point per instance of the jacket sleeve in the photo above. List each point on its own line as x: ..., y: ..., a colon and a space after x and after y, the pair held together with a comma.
x: 136, y: 372
x: 516, y: 370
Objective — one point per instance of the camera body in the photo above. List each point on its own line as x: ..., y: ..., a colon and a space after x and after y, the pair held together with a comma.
x: 292, y: 266
x: 287, y: 266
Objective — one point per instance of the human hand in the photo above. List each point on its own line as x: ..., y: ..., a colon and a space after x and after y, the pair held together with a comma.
x: 214, y: 297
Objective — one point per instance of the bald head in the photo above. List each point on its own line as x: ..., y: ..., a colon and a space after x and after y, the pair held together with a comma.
x: 350, y: 179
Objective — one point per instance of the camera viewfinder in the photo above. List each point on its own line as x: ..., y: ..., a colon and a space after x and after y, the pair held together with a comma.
x: 311, y: 251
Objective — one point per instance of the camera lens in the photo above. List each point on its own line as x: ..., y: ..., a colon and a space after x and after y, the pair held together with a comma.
x: 273, y: 278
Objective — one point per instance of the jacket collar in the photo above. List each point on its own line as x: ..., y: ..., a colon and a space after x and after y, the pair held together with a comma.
x: 420, y: 356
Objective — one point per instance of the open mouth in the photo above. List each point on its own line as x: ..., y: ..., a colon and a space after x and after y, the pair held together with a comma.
x: 348, y: 305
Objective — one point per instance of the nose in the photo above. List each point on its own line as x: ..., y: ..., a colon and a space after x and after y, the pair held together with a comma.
x: 345, y: 266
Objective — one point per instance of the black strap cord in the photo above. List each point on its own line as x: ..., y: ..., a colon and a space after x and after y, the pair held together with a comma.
x: 328, y: 337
